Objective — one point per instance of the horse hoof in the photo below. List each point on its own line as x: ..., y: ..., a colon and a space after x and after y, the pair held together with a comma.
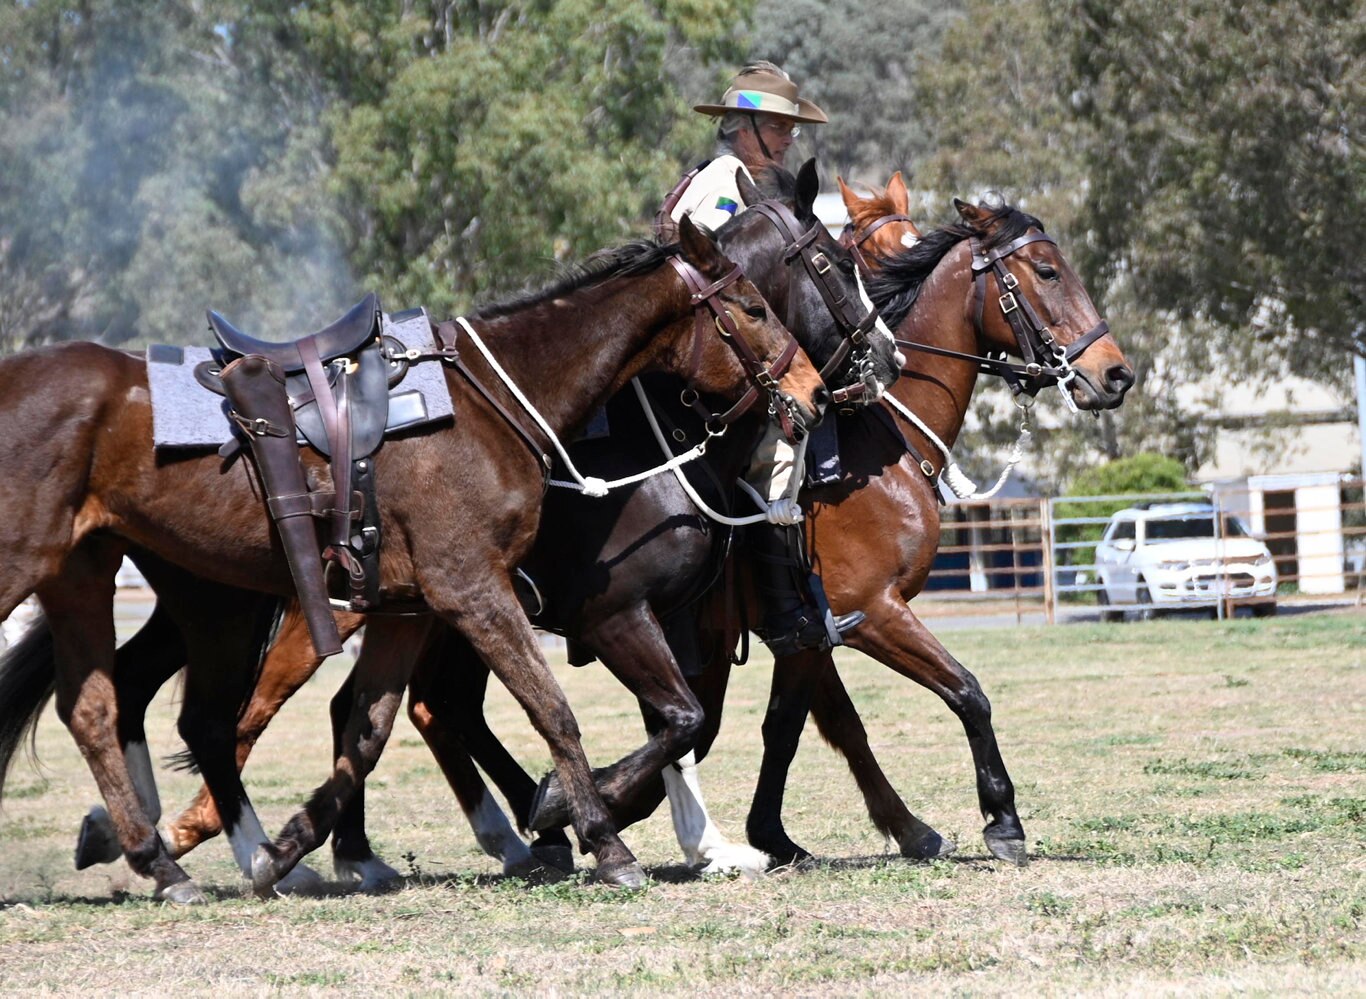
x: 532, y: 868
x: 97, y: 843
x: 928, y: 846
x: 1011, y: 850
x: 783, y: 851
x: 181, y: 893
x: 369, y: 874
x: 263, y: 873
x: 549, y: 808
x: 554, y: 855
x: 629, y: 875
x: 303, y: 880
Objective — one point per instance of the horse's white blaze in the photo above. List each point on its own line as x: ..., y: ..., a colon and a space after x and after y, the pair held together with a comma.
x: 701, y: 840
x: 139, y: 762
x: 495, y: 834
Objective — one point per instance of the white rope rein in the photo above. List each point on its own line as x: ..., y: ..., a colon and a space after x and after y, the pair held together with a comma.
x: 589, y: 485
x: 697, y: 500
x: 957, y: 480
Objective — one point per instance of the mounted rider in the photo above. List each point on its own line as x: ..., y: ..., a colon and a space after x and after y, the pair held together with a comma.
x: 760, y: 114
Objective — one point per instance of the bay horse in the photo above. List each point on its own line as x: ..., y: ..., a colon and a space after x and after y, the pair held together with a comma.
x: 459, y: 510
x: 875, y: 542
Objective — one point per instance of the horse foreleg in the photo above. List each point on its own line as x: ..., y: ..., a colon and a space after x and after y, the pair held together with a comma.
x: 896, y: 638
x: 377, y: 682
x: 487, y: 613
x: 446, y: 704
x: 838, y: 722
x: 631, y: 644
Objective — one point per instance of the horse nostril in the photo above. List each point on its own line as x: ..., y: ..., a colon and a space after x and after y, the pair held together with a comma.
x: 821, y: 397
x: 1119, y: 378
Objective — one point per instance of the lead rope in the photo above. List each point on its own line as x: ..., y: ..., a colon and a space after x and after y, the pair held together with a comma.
x: 589, y: 485
x: 720, y: 518
x: 956, y: 479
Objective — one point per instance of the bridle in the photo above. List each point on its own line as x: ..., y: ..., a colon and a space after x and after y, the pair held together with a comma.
x: 707, y: 305
x: 1046, y: 362
x: 852, y: 320
x: 853, y: 242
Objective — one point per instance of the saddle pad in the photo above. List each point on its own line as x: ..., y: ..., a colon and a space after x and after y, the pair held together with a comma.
x: 187, y: 415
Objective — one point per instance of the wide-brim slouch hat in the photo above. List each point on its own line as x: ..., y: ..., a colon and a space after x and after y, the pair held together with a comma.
x: 757, y: 89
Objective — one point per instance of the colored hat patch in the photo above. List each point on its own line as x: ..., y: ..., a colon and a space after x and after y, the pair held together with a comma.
x: 727, y: 205
x: 749, y: 99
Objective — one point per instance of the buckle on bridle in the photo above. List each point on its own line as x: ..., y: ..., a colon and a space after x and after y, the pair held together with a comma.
x: 765, y: 380
x: 1008, y: 309
x: 1034, y: 369
x: 1010, y: 282
x: 821, y: 262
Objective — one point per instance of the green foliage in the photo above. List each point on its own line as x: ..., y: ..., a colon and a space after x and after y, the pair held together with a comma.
x: 1224, y: 151
x: 864, y: 76
x: 478, y: 147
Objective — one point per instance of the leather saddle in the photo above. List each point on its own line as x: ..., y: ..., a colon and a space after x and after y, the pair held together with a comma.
x: 330, y: 388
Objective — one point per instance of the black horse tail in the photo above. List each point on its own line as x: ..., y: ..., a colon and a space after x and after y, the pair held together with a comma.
x: 28, y: 678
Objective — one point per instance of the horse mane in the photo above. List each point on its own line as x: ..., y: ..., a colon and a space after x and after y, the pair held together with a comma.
x: 634, y: 257
x: 895, y: 286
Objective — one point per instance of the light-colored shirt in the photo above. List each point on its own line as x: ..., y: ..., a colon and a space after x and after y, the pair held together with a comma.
x: 713, y: 197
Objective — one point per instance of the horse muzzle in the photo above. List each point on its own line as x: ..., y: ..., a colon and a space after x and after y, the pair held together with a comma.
x: 1106, y: 391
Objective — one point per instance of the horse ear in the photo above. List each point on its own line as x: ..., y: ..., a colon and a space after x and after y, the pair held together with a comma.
x: 851, y: 200
x: 749, y: 191
x: 808, y: 186
x: 970, y: 214
x: 698, y: 248
x: 897, y: 194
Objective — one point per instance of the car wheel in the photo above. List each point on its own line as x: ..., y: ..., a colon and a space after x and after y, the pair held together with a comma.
x: 1107, y: 615
x: 1264, y: 610
x: 1143, y: 596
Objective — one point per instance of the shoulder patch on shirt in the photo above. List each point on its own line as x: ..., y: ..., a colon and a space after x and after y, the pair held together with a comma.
x: 728, y: 205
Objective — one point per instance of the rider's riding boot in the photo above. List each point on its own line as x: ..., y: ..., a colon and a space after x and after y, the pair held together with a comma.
x: 796, y: 614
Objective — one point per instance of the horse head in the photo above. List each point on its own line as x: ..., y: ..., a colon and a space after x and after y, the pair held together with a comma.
x: 812, y: 282
x: 762, y: 352
x: 879, y: 226
x: 1028, y: 301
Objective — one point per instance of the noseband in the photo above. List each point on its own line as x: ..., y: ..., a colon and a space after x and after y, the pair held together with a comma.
x: 1046, y: 362
x: 706, y: 304
x: 853, y: 322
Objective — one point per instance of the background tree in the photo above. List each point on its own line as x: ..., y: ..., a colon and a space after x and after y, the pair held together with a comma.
x: 1224, y: 150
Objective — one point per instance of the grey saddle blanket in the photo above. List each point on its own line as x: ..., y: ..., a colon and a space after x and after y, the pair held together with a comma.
x: 185, y: 414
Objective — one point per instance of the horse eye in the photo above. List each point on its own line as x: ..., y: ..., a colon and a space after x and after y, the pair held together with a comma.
x: 1046, y: 272
x: 847, y: 266
x: 755, y: 312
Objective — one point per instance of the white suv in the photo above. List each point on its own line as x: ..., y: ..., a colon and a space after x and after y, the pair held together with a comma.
x: 1167, y: 555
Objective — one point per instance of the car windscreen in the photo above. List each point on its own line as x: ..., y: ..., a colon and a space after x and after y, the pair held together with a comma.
x: 1179, y: 528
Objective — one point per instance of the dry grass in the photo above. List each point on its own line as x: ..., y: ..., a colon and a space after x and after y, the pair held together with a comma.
x: 1193, y: 792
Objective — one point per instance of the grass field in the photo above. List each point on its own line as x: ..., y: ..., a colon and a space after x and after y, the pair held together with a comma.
x: 1194, y: 794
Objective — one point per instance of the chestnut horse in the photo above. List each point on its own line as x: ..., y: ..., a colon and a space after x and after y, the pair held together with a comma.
x: 459, y: 509
x: 875, y: 543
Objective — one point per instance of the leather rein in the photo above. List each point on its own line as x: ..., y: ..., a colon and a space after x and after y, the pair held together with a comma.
x: 706, y: 305
x: 853, y: 321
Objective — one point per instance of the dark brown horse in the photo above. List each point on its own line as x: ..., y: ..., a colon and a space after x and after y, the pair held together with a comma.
x: 459, y: 509
x: 875, y: 543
